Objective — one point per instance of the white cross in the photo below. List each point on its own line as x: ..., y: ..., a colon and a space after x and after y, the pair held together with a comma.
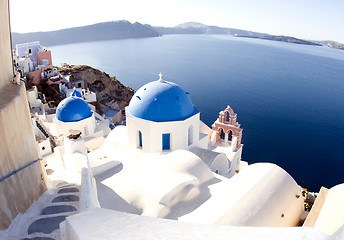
x: 160, y: 79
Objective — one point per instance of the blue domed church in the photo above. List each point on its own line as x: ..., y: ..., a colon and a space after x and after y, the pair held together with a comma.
x: 161, y: 117
x: 174, y: 166
x: 73, y: 113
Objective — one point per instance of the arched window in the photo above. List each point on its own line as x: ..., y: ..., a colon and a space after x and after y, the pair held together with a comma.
x: 140, y: 140
x: 227, y: 116
x: 166, y: 141
x: 230, y: 135
x: 222, y: 134
x: 190, y: 135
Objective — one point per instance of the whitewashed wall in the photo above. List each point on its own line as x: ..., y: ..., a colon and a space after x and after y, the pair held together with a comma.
x: 152, y: 133
x: 86, y: 126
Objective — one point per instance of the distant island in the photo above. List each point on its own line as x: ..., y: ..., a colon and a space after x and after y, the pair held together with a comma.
x: 331, y: 44
x: 285, y: 39
x: 199, y: 28
x: 124, y: 30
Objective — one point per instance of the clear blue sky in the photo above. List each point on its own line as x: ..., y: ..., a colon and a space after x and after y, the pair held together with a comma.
x: 307, y: 19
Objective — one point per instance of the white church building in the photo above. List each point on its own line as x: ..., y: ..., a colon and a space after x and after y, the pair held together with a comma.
x: 166, y: 175
x: 161, y: 117
x: 74, y: 113
x: 167, y: 163
x: 167, y: 172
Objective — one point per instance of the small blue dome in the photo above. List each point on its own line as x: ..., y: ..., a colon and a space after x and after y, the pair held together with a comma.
x: 76, y: 93
x: 73, y: 109
x: 161, y: 101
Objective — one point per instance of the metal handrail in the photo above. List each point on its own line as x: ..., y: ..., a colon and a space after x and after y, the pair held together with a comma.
x: 18, y: 170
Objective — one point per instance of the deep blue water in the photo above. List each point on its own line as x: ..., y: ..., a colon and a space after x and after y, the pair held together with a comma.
x: 289, y: 98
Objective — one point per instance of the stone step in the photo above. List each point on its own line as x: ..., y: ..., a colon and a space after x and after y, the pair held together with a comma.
x: 66, y: 198
x: 45, y: 225
x: 38, y: 238
x: 57, y: 209
x: 68, y: 190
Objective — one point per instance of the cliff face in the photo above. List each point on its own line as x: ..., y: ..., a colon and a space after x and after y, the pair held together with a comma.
x: 109, y: 90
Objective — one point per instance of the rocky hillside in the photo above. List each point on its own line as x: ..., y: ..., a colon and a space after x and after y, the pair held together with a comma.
x: 95, y: 32
x: 110, y: 92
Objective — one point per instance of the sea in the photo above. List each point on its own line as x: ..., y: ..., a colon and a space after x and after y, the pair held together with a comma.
x: 289, y: 98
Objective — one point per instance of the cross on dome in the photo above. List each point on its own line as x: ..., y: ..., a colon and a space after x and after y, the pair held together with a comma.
x: 160, y: 79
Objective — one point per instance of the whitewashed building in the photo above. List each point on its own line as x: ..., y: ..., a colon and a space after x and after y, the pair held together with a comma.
x: 161, y: 117
x: 176, y: 167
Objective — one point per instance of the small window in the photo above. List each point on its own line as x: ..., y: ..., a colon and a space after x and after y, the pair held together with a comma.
x: 190, y: 135
x: 166, y: 141
x: 140, y: 139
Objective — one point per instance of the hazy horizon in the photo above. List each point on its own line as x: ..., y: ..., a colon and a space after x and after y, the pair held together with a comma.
x: 307, y: 19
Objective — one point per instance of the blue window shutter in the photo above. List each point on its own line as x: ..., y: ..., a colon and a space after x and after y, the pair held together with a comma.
x: 140, y: 139
x: 166, y: 141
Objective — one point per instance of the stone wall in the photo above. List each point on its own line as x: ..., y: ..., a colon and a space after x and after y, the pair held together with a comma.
x: 18, y: 147
x: 6, y: 71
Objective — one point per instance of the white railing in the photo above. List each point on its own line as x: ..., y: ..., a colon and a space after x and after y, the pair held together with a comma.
x: 88, y: 189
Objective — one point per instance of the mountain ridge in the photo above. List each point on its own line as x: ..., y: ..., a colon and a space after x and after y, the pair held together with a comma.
x: 123, y: 29
x: 200, y: 28
x: 96, y: 32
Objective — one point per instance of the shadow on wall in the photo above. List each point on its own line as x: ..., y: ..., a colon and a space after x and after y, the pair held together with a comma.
x: 106, y: 170
x: 182, y: 208
x: 107, y: 197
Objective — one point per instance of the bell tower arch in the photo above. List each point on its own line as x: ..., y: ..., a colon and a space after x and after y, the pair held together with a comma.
x: 227, y: 128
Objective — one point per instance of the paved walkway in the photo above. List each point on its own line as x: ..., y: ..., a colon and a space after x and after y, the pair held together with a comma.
x: 42, y: 220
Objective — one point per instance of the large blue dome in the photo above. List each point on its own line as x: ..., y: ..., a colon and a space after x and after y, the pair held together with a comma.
x: 161, y: 101
x: 73, y: 109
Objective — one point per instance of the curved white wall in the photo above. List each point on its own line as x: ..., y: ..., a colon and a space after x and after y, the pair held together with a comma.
x: 262, y: 194
x: 86, y: 126
x: 274, y: 200
x: 106, y: 224
x: 154, y: 183
x: 331, y: 217
x: 220, y: 164
x: 217, y: 162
